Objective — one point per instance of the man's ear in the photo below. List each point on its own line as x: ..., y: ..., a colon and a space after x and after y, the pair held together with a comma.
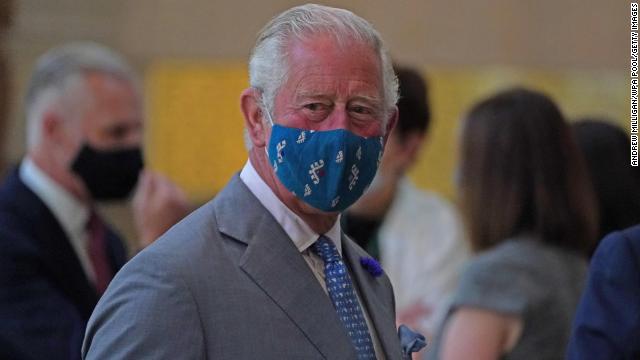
x: 391, y: 123
x: 253, y: 116
x: 51, y: 127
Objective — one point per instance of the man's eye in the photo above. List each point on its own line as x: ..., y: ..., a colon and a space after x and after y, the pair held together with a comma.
x: 314, y: 106
x: 361, y: 110
x: 118, y: 132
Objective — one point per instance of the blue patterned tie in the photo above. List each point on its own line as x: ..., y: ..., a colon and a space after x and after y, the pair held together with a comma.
x: 344, y: 297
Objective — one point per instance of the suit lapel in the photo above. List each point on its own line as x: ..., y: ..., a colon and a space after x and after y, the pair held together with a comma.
x: 272, y: 261
x: 64, y: 266
x: 371, y: 289
x: 59, y: 258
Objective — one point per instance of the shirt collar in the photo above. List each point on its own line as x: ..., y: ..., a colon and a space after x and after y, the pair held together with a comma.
x: 298, y: 230
x: 69, y: 211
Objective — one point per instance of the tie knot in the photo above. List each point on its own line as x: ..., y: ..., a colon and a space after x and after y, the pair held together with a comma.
x: 325, y: 248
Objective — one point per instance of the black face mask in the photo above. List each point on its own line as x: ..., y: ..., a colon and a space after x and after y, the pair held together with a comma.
x: 109, y: 175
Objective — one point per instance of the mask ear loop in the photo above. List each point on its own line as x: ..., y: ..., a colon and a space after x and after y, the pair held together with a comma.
x: 268, y: 116
x: 265, y: 108
x: 266, y: 111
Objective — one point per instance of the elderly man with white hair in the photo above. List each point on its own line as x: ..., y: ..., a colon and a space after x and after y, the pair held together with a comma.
x: 57, y: 256
x: 264, y: 271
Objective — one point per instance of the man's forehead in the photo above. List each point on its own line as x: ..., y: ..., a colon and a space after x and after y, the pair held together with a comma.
x: 115, y: 96
x: 312, y: 86
x: 110, y: 91
x: 109, y: 83
x: 318, y: 44
x: 313, y: 65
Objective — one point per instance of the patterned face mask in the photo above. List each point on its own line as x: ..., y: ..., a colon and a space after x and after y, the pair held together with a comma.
x: 328, y: 170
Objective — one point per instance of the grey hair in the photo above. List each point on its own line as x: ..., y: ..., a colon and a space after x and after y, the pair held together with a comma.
x: 58, y: 81
x: 268, y: 63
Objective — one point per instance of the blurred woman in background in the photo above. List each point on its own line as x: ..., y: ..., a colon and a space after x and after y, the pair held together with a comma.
x: 531, y: 216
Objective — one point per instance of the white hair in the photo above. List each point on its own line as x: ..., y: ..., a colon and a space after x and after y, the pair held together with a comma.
x: 58, y: 82
x: 268, y: 65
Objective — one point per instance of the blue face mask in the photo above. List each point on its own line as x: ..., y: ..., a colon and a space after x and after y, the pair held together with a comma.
x: 328, y: 170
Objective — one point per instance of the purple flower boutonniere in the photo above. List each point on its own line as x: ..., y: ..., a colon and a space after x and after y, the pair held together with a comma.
x: 371, y: 265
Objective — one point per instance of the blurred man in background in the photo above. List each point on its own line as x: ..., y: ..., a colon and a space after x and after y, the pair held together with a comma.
x: 84, y: 132
x: 415, y: 233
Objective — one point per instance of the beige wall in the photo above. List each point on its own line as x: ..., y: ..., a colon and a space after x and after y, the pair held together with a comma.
x: 538, y: 33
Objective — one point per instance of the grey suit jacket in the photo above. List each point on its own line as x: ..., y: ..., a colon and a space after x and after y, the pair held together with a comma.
x: 228, y: 283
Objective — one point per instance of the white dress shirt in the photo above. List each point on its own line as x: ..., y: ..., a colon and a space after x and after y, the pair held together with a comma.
x: 71, y: 214
x: 301, y: 235
x: 423, y: 248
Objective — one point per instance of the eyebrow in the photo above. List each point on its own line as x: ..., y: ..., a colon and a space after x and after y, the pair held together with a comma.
x: 305, y: 94
x: 309, y: 94
x: 371, y: 99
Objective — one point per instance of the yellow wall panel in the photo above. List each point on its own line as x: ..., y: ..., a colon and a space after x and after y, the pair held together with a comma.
x: 195, y: 127
x: 194, y: 131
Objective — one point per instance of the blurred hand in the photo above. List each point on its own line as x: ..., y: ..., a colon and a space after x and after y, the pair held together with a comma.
x: 413, y: 315
x: 158, y: 204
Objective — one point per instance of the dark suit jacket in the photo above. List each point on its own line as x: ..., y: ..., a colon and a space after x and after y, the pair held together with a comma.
x: 45, y: 296
x: 228, y: 283
x: 607, y: 323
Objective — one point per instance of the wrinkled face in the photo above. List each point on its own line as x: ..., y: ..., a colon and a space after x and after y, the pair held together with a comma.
x: 329, y: 87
